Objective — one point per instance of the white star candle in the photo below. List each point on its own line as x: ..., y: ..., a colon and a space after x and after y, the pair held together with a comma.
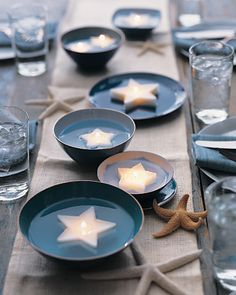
x: 135, y: 94
x: 98, y: 138
x: 137, y: 20
x: 84, y: 227
x: 135, y: 178
x: 80, y: 46
x: 102, y: 41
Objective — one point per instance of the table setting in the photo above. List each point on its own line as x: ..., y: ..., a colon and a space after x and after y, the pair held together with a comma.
x: 110, y: 203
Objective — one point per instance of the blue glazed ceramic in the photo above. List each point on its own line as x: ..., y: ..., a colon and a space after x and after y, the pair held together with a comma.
x: 141, y: 31
x: 96, y: 57
x: 171, y: 94
x: 107, y: 172
x: 69, y: 128
x: 39, y: 224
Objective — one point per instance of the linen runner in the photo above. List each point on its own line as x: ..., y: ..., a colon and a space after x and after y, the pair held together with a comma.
x: 29, y: 272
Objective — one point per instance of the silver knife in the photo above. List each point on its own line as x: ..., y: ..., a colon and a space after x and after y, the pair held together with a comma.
x: 206, y: 34
x: 217, y: 144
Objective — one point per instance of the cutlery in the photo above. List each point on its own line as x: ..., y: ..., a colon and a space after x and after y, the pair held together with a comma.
x: 217, y: 144
x: 206, y: 34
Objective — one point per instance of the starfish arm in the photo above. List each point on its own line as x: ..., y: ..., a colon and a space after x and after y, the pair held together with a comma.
x: 183, y: 202
x: 142, y: 51
x: 162, y: 212
x: 74, y: 99
x: 126, y: 273
x: 145, y: 282
x: 187, y: 223
x: 166, y: 284
x: 39, y: 102
x: 195, y: 215
x: 169, y: 227
x: 49, y: 111
x: 64, y: 107
x: 155, y: 49
x: 178, y: 261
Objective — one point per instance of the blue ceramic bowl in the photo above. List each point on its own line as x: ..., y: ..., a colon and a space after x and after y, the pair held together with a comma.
x: 94, y: 57
x: 39, y: 224
x: 141, y: 31
x: 70, y: 127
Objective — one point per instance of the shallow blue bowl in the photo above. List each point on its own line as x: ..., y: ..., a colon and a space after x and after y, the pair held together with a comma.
x: 97, y: 57
x: 39, y: 223
x: 136, y: 32
x: 68, y: 129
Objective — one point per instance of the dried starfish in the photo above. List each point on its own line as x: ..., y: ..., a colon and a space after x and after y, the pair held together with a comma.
x: 179, y: 217
x: 149, y: 46
x: 55, y: 104
x: 147, y: 272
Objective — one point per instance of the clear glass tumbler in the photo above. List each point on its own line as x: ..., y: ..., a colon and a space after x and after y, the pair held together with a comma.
x: 211, y: 65
x: 14, y: 153
x: 29, y: 38
x: 221, y: 205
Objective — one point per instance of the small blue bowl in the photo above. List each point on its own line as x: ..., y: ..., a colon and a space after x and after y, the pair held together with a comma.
x: 94, y: 57
x: 39, y: 224
x: 70, y: 127
x: 141, y: 31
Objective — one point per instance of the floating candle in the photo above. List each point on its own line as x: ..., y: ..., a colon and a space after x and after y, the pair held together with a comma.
x: 80, y: 46
x: 84, y: 227
x: 135, y: 178
x: 137, y: 20
x: 97, y: 138
x: 101, y: 41
x: 135, y: 94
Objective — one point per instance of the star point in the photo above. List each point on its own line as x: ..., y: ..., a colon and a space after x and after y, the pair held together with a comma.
x: 135, y: 178
x: 135, y: 94
x: 84, y: 227
x: 98, y: 138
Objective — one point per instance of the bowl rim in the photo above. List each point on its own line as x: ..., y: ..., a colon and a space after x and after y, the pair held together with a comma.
x: 37, y: 195
x: 102, y: 148
x: 114, y: 46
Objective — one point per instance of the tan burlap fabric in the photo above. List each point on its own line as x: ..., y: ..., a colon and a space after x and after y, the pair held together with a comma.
x: 29, y: 273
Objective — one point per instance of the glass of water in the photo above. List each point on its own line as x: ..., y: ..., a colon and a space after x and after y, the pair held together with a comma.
x: 221, y: 205
x: 14, y: 153
x: 29, y: 38
x: 211, y: 71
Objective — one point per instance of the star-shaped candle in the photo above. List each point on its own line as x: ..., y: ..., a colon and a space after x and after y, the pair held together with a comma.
x: 135, y: 178
x: 84, y: 227
x: 97, y: 138
x: 135, y: 94
x: 102, y: 41
x: 137, y: 20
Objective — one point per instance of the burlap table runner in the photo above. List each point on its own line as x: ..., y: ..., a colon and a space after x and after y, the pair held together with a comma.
x: 29, y: 272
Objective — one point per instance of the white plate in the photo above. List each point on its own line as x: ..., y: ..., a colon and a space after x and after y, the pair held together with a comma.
x: 226, y: 127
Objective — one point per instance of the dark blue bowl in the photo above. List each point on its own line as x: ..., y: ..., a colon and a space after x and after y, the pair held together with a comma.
x: 136, y: 32
x: 68, y: 129
x: 96, y: 57
x: 39, y: 223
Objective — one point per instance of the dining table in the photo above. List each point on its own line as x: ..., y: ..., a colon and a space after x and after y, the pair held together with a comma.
x: 22, y: 269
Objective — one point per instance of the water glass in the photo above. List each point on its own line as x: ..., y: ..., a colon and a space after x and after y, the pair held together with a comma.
x: 189, y: 12
x: 211, y: 65
x: 14, y: 153
x: 29, y: 38
x: 221, y: 205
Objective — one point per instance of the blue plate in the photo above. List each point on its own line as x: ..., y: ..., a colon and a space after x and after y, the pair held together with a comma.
x: 40, y: 226
x: 171, y: 95
x: 136, y: 32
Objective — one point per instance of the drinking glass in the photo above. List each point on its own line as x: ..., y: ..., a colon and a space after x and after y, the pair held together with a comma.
x: 29, y: 38
x: 211, y: 65
x: 14, y: 153
x: 221, y: 205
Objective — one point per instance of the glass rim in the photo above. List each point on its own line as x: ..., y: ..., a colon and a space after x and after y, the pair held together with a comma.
x: 210, y: 187
x: 26, y: 119
x: 19, y: 5
x: 191, y: 53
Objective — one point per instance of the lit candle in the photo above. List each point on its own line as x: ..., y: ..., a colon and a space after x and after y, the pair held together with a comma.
x: 84, y: 227
x: 137, y: 20
x: 80, y: 46
x: 101, y: 41
x: 135, y: 94
x: 135, y: 178
x: 97, y: 138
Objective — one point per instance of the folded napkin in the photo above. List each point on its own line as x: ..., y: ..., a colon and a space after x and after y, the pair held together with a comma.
x: 211, y: 158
